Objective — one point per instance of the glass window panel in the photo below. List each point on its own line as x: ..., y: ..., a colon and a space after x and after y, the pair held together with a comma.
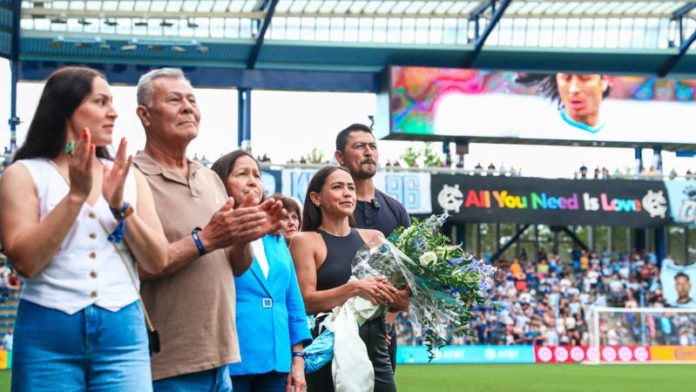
x: 601, y: 238
x: 336, y: 29
x: 63, y: 5
x: 244, y: 28
x: 297, y: 6
x: 323, y: 32
x: 142, y: 5
x: 422, y: 26
x: 308, y: 32
x: 109, y: 5
x: 408, y: 32
x: 559, y: 32
x: 213, y: 27
x: 365, y: 30
x: 174, y: 6
x: 546, y: 32
x: 394, y: 30
x: 612, y: 37
x: 463, y: 32
x: 205, y: 6
x: 342, y: 7
x: 676, y: 243
x: 385, y: 7
x: 80, y: 5
x: 158, y: 6
x: 488, y: 240
x: 573, y: 33
x: 436, y: 31
x: 518, y: 33
x: 691, y: 256
x: 219, y: 6
x: 586, y: 27
x: 292, y: 28
x: 449, y: 31
x: 62, y: 27
x: 351, y: 29
x: 42, y: 24
x: 190, y: 6
x: 380, y: 30
x: 312, y: 7
x: 471, y: 238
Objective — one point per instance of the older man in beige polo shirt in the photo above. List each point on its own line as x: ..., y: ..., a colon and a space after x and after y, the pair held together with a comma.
x: 192, y: 299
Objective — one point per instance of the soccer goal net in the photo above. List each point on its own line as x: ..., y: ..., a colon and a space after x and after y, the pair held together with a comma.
x: 641, y: 335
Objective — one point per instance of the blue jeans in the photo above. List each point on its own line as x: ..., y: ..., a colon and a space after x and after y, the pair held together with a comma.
x: 92, y: 350
x: 214, y: 380
x: 266, y: 382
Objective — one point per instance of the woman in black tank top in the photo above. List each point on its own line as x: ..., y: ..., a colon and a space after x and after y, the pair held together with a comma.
x: 323, y: 253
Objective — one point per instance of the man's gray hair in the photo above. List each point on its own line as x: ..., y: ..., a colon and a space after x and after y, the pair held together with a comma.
x: 144, y: 93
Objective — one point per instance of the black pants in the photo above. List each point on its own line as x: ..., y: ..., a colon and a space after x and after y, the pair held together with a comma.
x: 373, y: 334
x: 392, y: 347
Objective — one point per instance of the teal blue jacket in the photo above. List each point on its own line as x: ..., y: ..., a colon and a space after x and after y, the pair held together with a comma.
x: 271, y: 315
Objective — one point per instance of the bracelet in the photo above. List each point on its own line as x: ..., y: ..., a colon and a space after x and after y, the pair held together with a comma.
x: 197, y: 241
x: 299, y: 354
x: 117, y: 235
x: 125, y: 211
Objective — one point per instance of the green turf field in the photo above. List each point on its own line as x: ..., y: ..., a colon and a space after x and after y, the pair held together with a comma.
x: 545, y: 378
x: 4, y: 380
x: 532, y: 378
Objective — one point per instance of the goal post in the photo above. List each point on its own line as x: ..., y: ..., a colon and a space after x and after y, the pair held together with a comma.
x: 642, y: 335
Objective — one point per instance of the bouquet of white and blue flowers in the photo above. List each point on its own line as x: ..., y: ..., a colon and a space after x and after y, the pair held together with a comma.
x: 445, y: 284
x: 444, y: 280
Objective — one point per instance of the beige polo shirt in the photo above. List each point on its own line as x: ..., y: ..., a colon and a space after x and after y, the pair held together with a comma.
x: 193, y: 309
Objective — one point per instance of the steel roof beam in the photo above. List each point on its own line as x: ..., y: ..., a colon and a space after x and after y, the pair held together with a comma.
x: 263, y: 27
x: 69, y: 13
x: 678, y: 17
x: 683, y: 10
x: 672, y: 61
x: 44, y: 12
x: 481, y: 40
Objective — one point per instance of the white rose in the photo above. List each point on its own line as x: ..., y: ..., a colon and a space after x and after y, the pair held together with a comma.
x: 427, y: 258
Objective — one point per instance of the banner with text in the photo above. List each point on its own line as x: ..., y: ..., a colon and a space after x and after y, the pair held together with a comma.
x: 673, y: 353
x: 556, y: 202
x: 466, y: 354
x: 682, y: 201
x: 408, y: 188
x: 678, y: 284
x: 578, y: 354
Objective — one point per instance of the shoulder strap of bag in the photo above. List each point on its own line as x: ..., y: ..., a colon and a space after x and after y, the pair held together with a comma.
x: 150, y: 327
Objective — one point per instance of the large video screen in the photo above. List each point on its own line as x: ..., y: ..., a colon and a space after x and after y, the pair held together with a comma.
x: 541, y: 107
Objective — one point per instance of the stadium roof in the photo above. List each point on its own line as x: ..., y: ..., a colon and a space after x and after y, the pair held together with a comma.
x: 360, y: 36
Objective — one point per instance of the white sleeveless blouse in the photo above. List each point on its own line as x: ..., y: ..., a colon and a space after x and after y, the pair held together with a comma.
x: 86, y: 269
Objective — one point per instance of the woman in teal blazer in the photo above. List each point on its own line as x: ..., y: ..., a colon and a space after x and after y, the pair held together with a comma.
x: 271, y: 318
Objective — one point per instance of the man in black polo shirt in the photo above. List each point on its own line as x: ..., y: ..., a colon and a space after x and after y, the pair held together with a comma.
x: 356, y: 150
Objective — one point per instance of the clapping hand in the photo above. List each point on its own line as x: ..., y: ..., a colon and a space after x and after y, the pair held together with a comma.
x: 246, y: 223
x: 114, y: 178
x: 80, y: 156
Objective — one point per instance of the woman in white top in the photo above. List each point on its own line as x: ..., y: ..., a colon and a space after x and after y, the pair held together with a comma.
x: 66, y: 210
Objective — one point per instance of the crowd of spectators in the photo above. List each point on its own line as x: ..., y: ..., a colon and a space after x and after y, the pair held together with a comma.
x: 9, y: 281
x: 603, y: 173
x: 549, y: 302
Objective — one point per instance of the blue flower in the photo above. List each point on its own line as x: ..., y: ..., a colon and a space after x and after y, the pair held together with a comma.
x: 456, y: 262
